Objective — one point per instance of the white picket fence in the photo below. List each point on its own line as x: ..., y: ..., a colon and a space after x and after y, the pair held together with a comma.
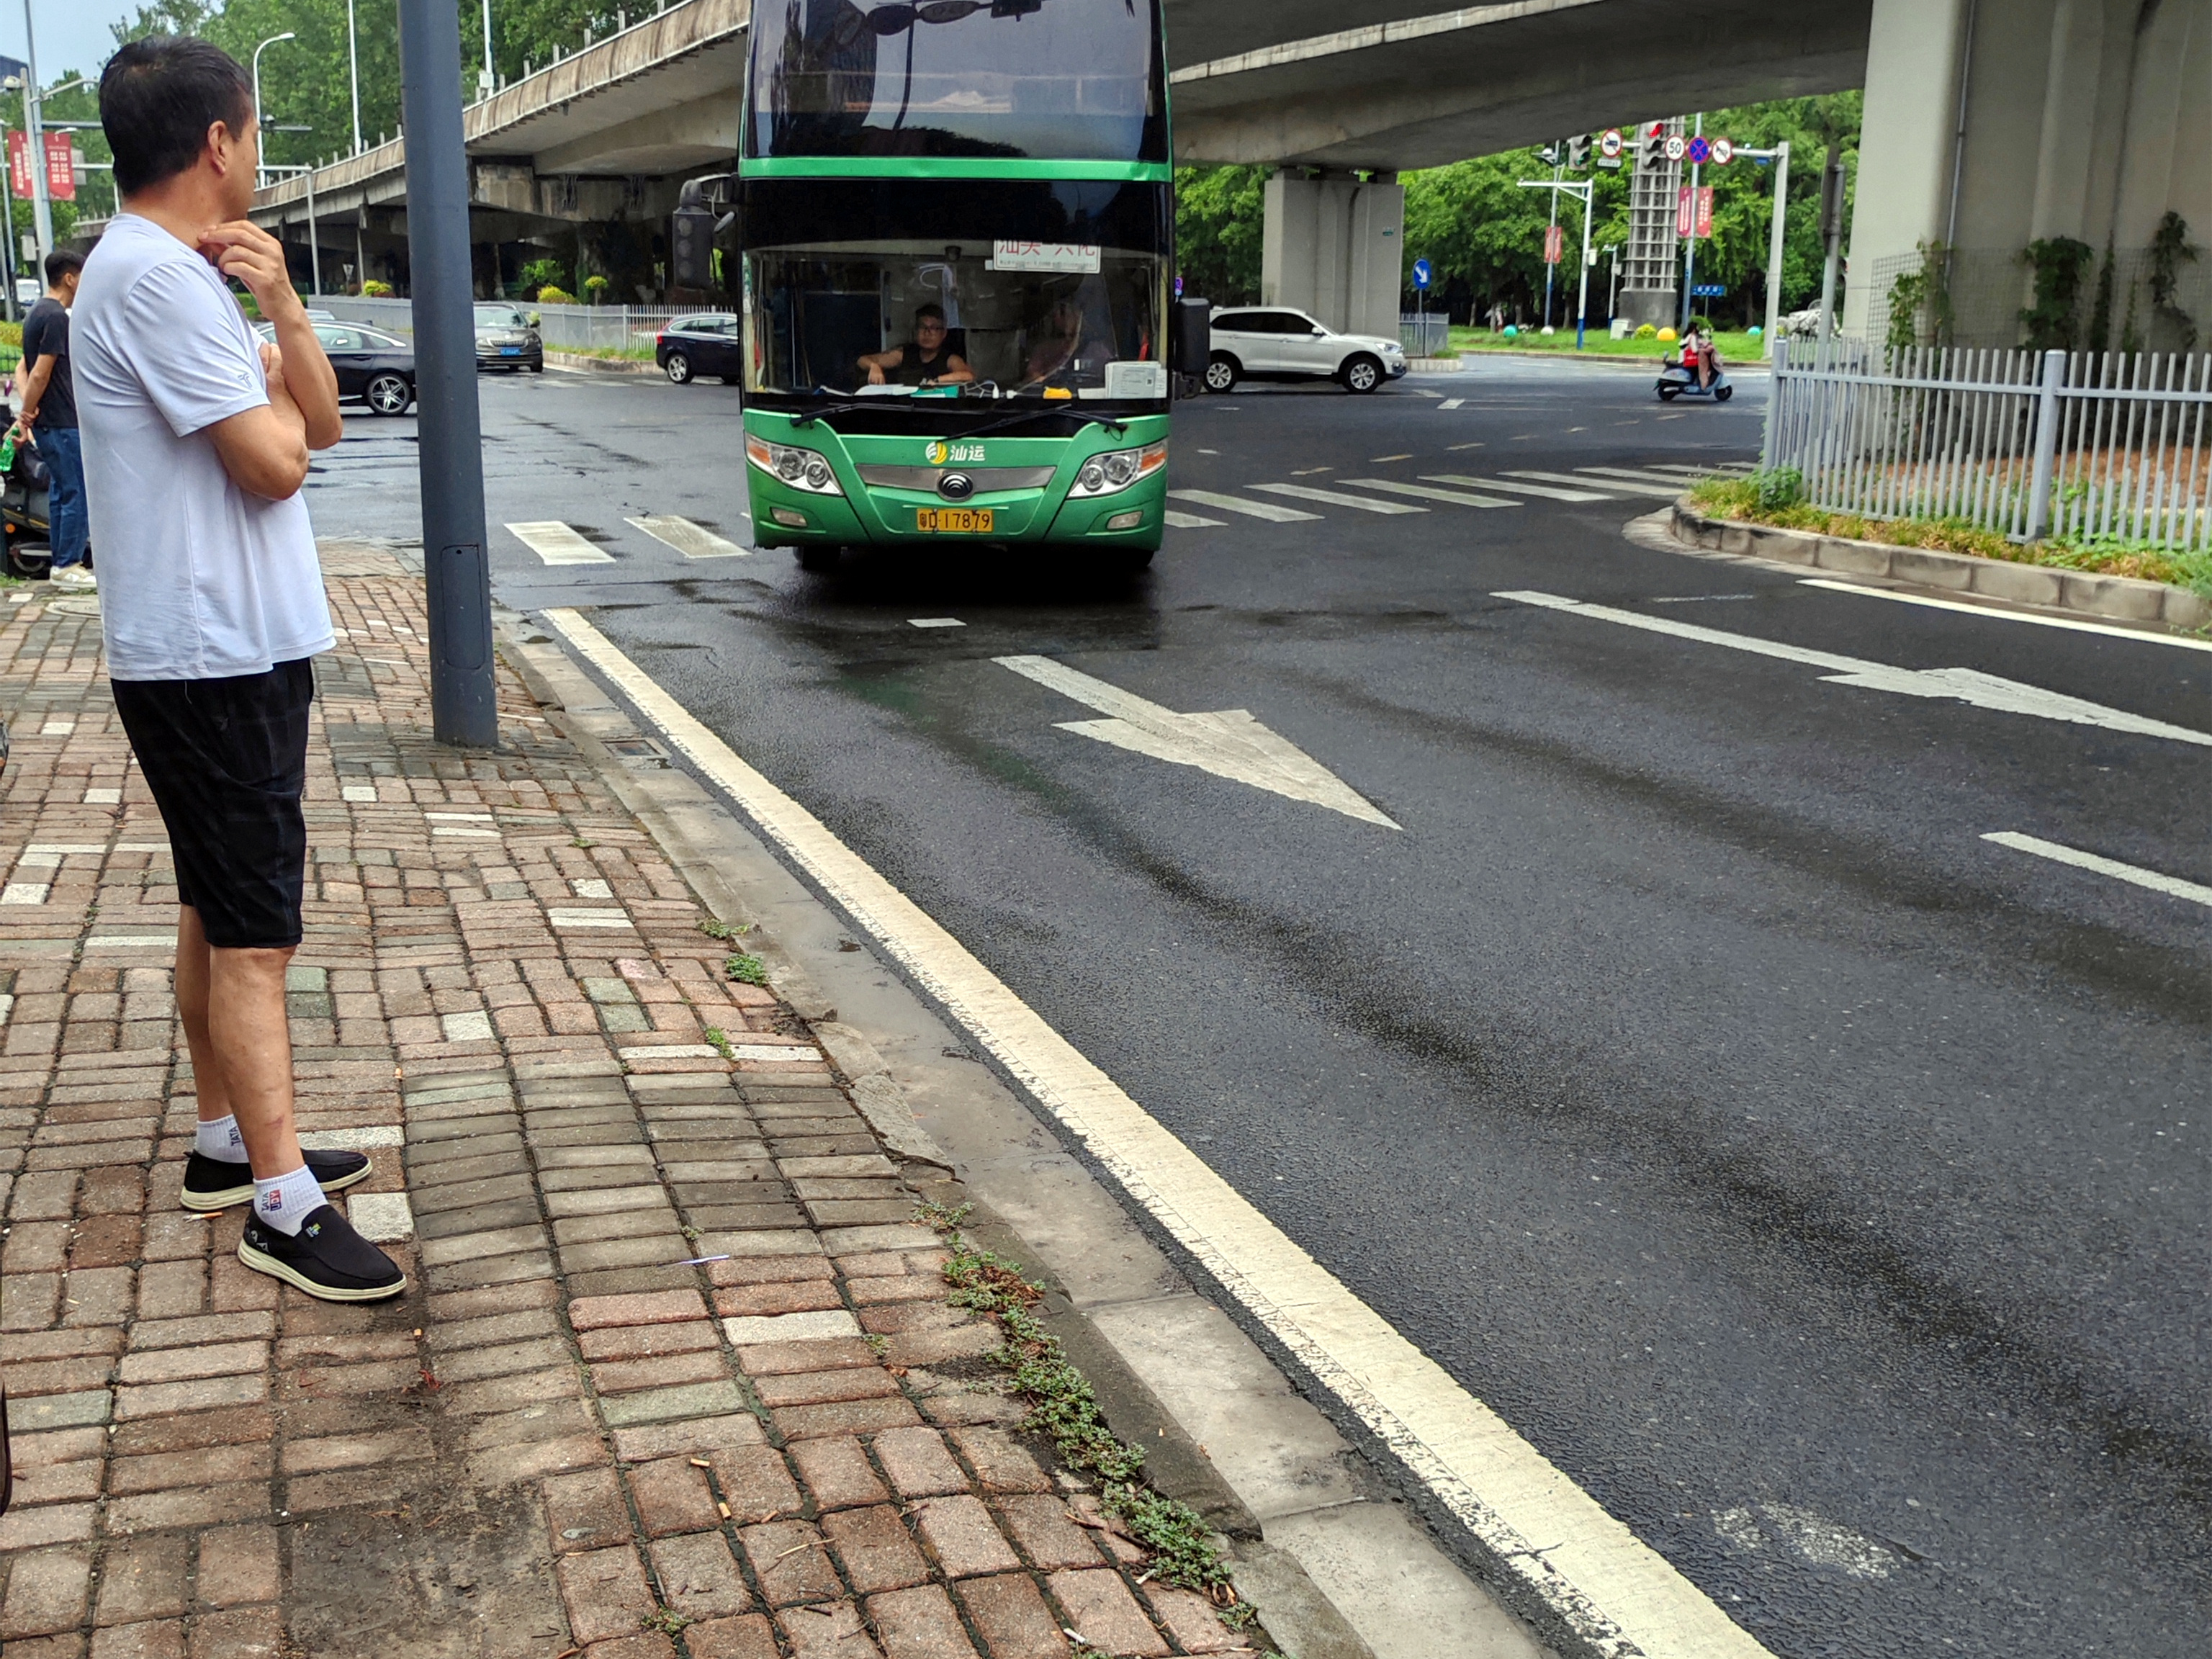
x: 2032, y: 444
x: 563, y: 328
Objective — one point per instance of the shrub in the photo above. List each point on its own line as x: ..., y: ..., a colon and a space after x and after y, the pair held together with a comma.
x: 1785, y: 486
x: 540, y: 273
x: 550, y: 296
x: 595, y: 289
x: 372, y: 289
x: 1647, y: 332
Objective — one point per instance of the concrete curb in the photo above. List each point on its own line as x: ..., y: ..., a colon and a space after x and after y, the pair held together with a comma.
x: 2120, y: 598
x: 589, y: 365
x: 1610, y: 359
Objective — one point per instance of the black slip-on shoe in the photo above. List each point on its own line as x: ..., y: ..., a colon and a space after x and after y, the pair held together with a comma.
x: 326, y: 1259
x: 212, y: 1184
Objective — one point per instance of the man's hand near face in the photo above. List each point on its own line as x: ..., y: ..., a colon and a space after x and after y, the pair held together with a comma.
x: 243, y: 250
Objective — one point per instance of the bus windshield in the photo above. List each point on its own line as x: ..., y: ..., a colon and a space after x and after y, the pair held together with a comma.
x: 969, y: 288
x: 1055, y: 79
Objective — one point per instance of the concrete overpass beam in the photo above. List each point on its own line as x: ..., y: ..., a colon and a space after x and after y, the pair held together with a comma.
x: 1334, y: 246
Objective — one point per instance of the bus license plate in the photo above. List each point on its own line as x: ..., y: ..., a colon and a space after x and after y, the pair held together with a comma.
x: 953, y: 520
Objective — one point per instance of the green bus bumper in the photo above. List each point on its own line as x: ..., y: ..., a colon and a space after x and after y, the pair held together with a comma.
x: 881, y: 516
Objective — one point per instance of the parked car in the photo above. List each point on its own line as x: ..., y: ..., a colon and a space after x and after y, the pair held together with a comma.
x: 373, y: 367
x: 1274, y: 342
x: 705, y: 342
x: 508, y: 338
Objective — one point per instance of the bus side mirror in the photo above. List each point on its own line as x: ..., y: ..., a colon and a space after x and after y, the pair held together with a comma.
x: 1192, y: 341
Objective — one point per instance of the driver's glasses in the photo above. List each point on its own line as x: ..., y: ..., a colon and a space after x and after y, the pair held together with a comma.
x: 924, y: 330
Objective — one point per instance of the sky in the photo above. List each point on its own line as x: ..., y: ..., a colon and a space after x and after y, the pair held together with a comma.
x: 72, y: 34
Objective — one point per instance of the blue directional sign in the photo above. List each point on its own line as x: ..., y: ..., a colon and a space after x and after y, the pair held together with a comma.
x: 1708, y: 290
x: 1421, y: 273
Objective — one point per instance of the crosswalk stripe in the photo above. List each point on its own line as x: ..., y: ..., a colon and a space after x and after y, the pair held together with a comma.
x: 557, y: 543
x: 1190, y: 521
x: 1266, y: 510
x: 1429, y: 493
x: 1673, y: 470
x: 1337, y: 498
x: 693, y: 541
x: 1606, y: 475
x: 1547, y: 491
x: 1451, y: 402
x: 1621, y: 486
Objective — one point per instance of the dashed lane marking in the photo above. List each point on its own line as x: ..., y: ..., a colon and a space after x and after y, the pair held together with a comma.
x: 1430, y: 493
x: 1190, y: 521
x: 935, y: 621
x: 1967, y: 685
x: 1452, y: 403
x: 693, y: 541
x: 1548, y: 492
x: 1378, y: 459
x: 2135, y: 633
x: 2174, y: 886
x: 1337, y: 498
x: 1266, y: 510
x: 1547, y: 1537
x: 558, y: 543
x: 1619, y: 486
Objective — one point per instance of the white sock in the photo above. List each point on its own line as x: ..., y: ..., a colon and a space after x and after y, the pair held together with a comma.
x: 286, y: 1201
x: 218, y: 1140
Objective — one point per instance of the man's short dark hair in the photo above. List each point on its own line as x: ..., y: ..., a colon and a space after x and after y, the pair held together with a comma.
x: 60, y: 263
x: 159, y: 96
x: 936, y: 311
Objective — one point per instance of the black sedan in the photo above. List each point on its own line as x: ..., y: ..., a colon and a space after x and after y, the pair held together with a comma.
x: 705, y: 342
x: 373, y: 367
x: 508, y: 337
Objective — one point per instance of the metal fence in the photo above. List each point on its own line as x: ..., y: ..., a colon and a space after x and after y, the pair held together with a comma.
x: 563, y: 328
x: 1424, y: 334
x: 1988, y: 288
x: 2079, y: 446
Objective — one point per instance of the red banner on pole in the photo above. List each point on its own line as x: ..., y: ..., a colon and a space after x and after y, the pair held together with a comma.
x: 1555, y: 244
x: 61, y: 167
x: 19, y: 164
x: 1682, y: 212
x: 1705, y: 210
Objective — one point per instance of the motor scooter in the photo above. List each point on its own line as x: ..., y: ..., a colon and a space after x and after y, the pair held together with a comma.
x: 1676, y: 379
x: 23, y: 510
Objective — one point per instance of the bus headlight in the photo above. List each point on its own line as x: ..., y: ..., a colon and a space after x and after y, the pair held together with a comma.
x: 801, y: 469
x: 1117, y: 468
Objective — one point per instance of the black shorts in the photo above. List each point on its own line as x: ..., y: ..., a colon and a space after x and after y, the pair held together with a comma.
x: 227, y: 760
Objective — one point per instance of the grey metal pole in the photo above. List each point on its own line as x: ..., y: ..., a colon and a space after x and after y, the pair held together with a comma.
x: 463, y: 703
x: 1774, y: 241
x: 2046, y: 445
x: 353, y: 74
x: 314, y: 246
x: 42, y: 213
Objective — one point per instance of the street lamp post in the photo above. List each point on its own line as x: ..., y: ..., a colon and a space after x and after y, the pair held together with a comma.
x: 353, y: 72
x: 488, y: 80
x: 42, y: 212
x: 261, y: 174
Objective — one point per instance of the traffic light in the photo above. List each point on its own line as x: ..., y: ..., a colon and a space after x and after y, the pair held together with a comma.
x: 1651, y: 146
x: 1579, y: 149
x: 1831, y: 197
x: 691, y: 239
x: 1552, y: 154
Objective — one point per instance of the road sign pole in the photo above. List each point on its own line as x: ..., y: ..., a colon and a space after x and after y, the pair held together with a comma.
x: 463, y: 703
x: 1774, y: 240
x: 1582, y: 301
x: 1690, y: 242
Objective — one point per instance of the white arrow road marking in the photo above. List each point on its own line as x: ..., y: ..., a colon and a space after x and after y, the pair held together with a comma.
x: 1227, y: 743
x: 1990, y: 611
x: 1546, y: 492
x: 693, y: 541
x: 1337, y: 498
x: 1430, y: 493
x: 2059, y: 853
x: 1546, y: 1537
x: 1266, y: 510
x: 557, y: 543
x: 1618, y: 486
x: 1968, y: 685
x: 1191, y: 521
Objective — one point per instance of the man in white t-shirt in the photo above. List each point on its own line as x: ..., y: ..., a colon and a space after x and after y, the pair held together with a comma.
x: 195, y: 440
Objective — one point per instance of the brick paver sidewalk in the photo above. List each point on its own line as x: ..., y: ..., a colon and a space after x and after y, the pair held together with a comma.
x: 570, y: 1437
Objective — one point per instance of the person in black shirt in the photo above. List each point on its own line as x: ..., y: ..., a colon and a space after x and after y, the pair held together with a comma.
x: 50, y: 413
x: 923, y: 361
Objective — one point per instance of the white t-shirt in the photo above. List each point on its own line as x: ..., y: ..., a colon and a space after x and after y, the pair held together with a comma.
x: 198, y: 579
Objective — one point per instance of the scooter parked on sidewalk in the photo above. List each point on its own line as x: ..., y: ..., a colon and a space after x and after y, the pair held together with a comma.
x: 24, y: 508
x: 1678, y: 379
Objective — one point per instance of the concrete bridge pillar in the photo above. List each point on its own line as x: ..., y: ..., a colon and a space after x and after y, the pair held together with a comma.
x: 1334, y: 246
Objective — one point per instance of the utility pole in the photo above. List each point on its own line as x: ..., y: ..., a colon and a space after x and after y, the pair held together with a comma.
x: 464, y: 700
x: 353, y: 74
x: 1780, y: 156
x: 42, y: 213
x: 1559, y: 156
x: 1690, y: 242
x: 1831, y: 235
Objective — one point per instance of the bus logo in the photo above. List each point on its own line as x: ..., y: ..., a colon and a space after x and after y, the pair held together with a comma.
x: 940, y: 452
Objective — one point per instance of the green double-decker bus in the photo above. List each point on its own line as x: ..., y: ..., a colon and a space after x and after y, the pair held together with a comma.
x: 956, y: 236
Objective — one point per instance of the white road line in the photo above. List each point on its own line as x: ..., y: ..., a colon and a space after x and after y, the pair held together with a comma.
x: 2196, y: 892
x: 1451, y: 402
x: 1631, y: 474
x: 1337, y: 498
x: 1537, y: 1528
x: 1549, y: 492
x: 935, y: 621
x: 1430, y: 493
x: 1967, y: 686
x: 2135, y: 633
x: 1618, y: 486
x: 557, y: 543
x: 1266, y: 510
x: 1228, y: 742
x: 1190, y: 521
x: 693, y: 541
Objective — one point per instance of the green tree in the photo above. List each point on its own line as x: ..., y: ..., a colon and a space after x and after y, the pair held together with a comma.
x: 1219, y: 217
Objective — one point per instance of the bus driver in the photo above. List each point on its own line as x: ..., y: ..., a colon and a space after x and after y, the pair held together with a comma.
x: 922, y: 360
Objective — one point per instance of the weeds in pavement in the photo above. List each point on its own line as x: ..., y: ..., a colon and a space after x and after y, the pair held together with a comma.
x: 666, y: 1621
x: 746, y: 971
x: 721, y: 1041
x: 1064, y: 1407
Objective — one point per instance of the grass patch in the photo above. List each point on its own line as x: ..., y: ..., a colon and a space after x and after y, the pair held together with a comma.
x: 721, y: 1042
x: 1772, y: 498
x: 1736, y: 349
x: 608, y: 353
x: 1064, y: 1407
x: 746, y: 971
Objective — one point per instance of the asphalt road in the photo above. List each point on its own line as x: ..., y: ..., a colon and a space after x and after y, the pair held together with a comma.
x: 1821, y: 1186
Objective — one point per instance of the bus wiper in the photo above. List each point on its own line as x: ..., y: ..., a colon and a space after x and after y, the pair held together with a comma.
x: 1115, y: 427
x: 814, y: 415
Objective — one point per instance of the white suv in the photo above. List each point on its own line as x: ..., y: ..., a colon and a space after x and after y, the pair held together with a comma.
x: 1273, y: 343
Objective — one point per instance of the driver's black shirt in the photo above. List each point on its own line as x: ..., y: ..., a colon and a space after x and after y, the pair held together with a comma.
x: 912, y: 369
